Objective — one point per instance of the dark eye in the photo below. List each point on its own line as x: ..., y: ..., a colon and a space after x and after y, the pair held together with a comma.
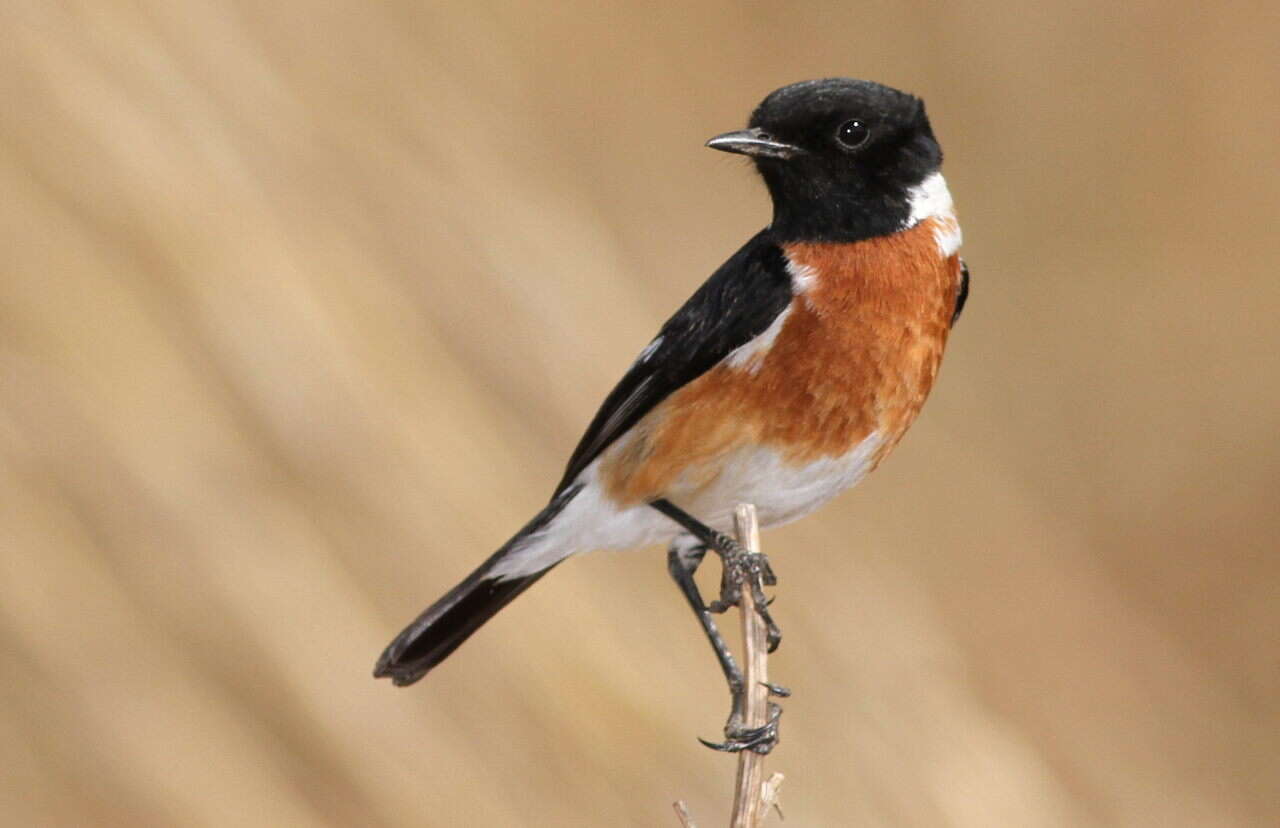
x: 853, y: 133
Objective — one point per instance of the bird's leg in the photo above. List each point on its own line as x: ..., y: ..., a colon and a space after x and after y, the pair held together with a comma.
x: 682, y: 564
x: 739, y: 567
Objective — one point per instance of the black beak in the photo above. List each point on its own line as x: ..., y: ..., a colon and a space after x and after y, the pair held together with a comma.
x: 754, y: 142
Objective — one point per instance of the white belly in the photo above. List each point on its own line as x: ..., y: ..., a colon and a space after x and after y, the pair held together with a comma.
x: 781, y: 493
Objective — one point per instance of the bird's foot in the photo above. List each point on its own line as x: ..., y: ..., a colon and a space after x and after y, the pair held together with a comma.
x: 760, y: 739
x: 742, y: 567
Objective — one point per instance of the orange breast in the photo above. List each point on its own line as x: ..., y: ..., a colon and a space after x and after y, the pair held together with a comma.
x: 857, y: 354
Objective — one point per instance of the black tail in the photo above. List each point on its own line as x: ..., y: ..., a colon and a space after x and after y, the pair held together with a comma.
x: 444, y: 625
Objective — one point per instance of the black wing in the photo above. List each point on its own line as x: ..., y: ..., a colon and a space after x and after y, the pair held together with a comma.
x: 738, y: 302
x: 962, y: 295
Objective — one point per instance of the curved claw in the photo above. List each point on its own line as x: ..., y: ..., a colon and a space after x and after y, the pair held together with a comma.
x: 766, y: 572
x: 773, y: 635
x: 761, y: 742
x: 724, y: 747
x: 761, y: 739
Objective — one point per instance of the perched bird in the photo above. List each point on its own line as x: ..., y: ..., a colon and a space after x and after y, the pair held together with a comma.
x: 786, y: 377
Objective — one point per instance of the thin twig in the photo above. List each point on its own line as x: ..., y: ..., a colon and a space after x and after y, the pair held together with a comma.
x: 748, y: 799
x: 682, y: 811
x: 770, y: 796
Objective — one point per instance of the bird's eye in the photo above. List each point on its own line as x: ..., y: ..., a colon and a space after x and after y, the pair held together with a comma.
x: 853, y: 133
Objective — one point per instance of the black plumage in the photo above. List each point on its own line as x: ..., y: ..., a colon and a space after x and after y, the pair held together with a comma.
x: 451, y: 620
x: 735, y: 305
x: 962, y: 295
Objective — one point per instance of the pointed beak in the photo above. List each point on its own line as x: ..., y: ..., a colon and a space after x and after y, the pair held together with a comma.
x: 754, y: 142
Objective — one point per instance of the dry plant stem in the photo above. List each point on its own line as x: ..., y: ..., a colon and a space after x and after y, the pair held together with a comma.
x: 752, y: 796
x: 748, y: 800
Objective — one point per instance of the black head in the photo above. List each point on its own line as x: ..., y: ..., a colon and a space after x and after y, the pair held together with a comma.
x: 839, y: 156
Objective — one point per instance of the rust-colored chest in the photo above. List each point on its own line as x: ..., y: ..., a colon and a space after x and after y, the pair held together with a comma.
x: 855, y: 356
x: 863, y: 346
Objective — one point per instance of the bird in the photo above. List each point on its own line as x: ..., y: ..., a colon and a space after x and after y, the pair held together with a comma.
x: 786, y: 377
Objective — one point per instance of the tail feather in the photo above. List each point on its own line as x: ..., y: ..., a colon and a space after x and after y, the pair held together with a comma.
x: 451, y: 620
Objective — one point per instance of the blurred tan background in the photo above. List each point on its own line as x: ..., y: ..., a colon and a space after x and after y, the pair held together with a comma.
x: 304, y: 306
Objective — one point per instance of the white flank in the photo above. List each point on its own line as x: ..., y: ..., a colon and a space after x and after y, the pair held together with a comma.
x: 932, y: 200
x: 781, y: 492
x: 589, y: 521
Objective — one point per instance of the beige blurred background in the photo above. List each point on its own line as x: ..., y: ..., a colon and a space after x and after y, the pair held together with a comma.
x: 304, y: 305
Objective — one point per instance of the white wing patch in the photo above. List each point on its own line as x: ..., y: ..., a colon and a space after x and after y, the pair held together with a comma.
x: 802, y: 277
x: 932, y: 200
x: 751, y: 354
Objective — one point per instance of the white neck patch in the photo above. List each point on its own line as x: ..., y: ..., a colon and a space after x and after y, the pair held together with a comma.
x: 932, y: 200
